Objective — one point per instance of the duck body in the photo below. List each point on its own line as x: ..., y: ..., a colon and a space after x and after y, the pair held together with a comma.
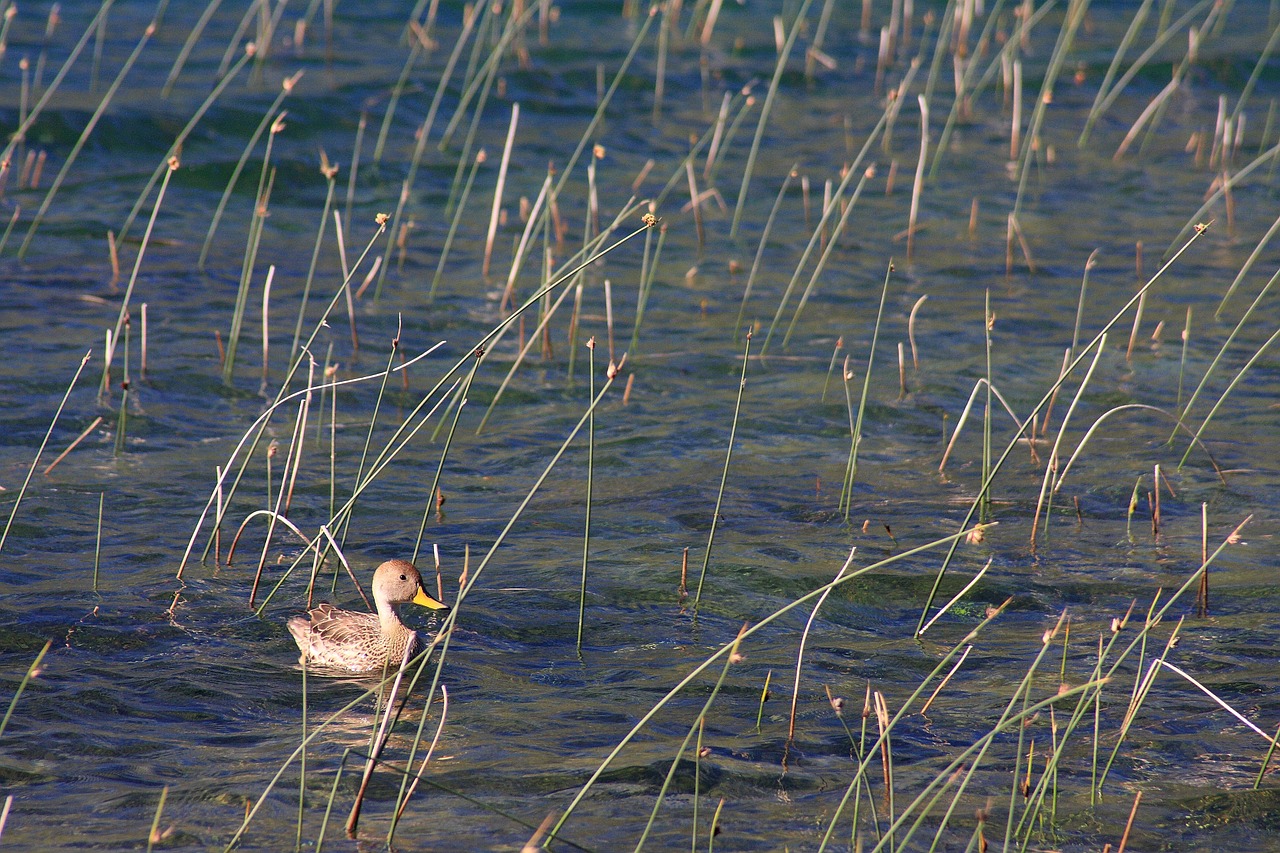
x: 350, y: 641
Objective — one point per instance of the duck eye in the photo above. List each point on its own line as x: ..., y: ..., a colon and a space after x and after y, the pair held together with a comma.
x: 403, y: 578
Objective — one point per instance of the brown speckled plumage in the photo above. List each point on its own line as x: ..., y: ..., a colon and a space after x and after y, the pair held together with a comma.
x: 363, y: 642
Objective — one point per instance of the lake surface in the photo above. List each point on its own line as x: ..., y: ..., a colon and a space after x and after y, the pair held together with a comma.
x: 156, y: 686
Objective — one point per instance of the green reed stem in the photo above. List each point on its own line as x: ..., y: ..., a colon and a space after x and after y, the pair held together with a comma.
x: 796, y: 26
x: 32, y: 672
x: 1222, y: 351
x: 269, y: 117
x: 175, y: 150
x: 764, y: 239
x: 1076, y: 10
x: 330, y: 173
x: 259, y: 425
x: 1228, y: 184
x: 588, y: 135
x: 194, y: 36
x: 398, y: 441
x: 1107, y: 96
x: 1044, y: 400
x: 852, y: 471
x: 729, y: 660
x: 647, y: 270
x: 815, y: 238
x: 433, y: 494
x: 84, y: 136
x: 261, y: 209
x: 154, y: 835
x: 122, y: 317
x: 724, y: 475
x: 457, y: 218
x: 19, y: 136
x: 725, y: 649
x: 1235, y: 380
x: 1266, y: 761
x: 826, y: 254
x: 17, y: 501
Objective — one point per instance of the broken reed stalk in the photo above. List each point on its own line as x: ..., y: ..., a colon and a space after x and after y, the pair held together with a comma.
x: 724, y: 476
x: 917, y: 186
x: 74, y: 443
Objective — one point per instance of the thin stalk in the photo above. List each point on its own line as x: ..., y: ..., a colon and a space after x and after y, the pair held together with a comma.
x: 591, y: 459
x: 730, y: 659
x: 32, y: 672
x: 17, y: 501
x: 726, y: 648
x: 175, y: 150
x: 724, y: 476
x: 1044, y: 400
x: 852, y: 473
x: 269, y: 118
x: 796, y: 26
x: 84, y: 136
x: 764, y: 239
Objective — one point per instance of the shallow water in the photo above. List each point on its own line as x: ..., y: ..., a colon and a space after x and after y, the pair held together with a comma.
x: 154, y: 683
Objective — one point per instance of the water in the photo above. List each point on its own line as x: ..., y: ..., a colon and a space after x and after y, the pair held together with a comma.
x: 155, y: 683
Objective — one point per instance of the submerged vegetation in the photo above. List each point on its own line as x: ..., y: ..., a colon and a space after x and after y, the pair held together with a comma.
x: 585, y: 310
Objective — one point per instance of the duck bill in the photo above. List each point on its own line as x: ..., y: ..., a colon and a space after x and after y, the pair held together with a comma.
x: 428, y: 602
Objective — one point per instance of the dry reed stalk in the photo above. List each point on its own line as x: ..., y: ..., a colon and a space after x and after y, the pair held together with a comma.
x: 76, y: 441
x: 911, y: 331
x: 917, y: 186
x: 497, y: 192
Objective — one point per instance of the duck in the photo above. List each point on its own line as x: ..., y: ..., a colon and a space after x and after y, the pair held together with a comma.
x: 353, y: 642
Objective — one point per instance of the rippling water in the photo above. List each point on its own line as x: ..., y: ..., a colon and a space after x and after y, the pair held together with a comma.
x: 157, y: 684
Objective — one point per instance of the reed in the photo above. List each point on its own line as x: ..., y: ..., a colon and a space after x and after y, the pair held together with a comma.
x: 175, y: 150
x: 1048, y: 395
x: 724, y: 651
x: 724, y: 475
x: 855, y: 436
x: 270, y: 118
x: 766, y: 109
x: 26, y: 482
x: 85, y: 134
x: 586, y: 529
